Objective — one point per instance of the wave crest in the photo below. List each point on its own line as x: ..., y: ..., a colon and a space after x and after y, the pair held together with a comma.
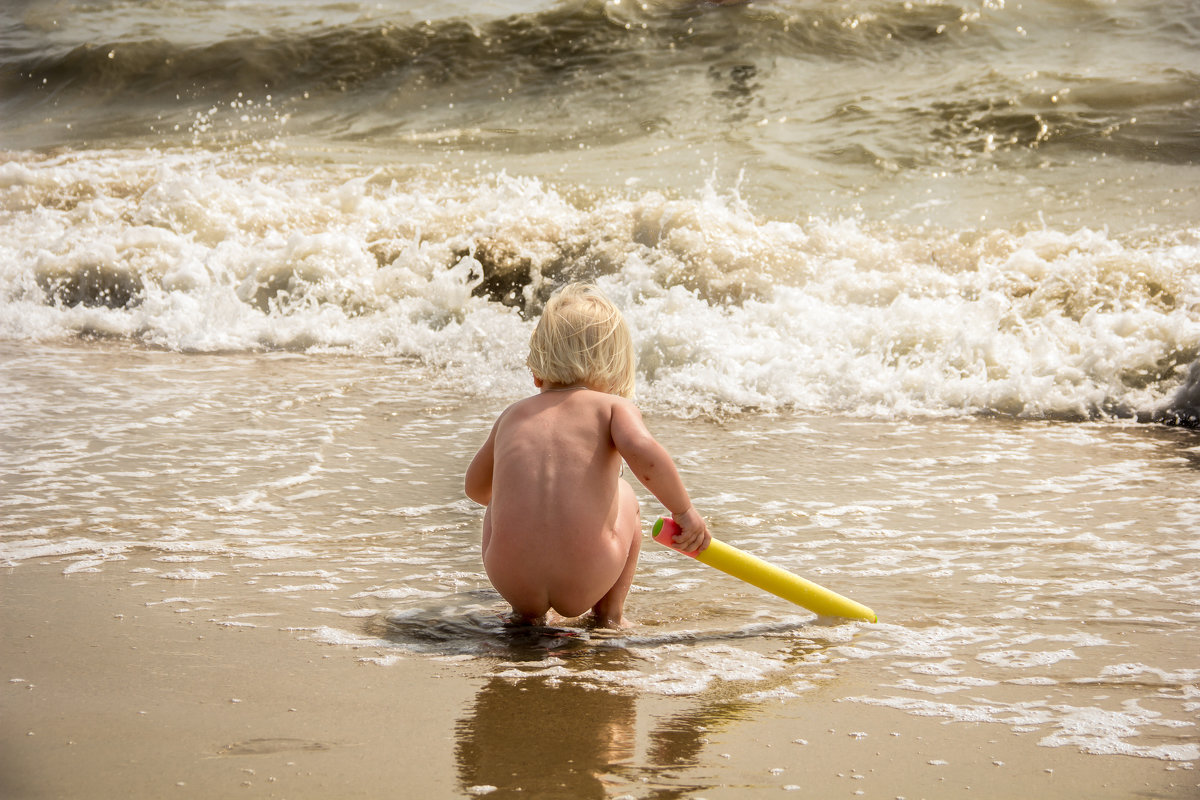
x: 731, y: 311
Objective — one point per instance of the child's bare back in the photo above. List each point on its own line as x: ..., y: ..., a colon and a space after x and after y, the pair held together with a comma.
x: 562, y: 529
x: 559, y: 529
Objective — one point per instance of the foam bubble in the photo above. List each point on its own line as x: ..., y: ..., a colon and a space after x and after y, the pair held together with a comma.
x: 1090, y: 729
x: 402, y: 593
x: 302, y: 587
x: 1023, y: 659
x: 336, y: 636
x: 189, y: 575
x: 84, y: 565
x: 384, y: 661
x: 17, y: 550
x: 1105, y: 732
x: 1141, y: 674
x: 274, y: 552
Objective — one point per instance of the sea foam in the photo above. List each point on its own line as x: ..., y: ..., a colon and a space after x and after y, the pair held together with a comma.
x: 211, y: 252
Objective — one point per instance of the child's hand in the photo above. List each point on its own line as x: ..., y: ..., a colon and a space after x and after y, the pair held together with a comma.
x: 693, y: 536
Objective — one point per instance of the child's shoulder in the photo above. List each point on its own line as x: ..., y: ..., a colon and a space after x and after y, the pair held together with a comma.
x: 608, y: 400
x: 616, y: 410
x: 572, y: 402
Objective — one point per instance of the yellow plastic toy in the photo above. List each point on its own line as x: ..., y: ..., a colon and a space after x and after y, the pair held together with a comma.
x: 777, y: 581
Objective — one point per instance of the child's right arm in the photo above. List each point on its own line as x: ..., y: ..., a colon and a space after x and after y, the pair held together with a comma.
x: 652, y: 465
x: 478, y: 481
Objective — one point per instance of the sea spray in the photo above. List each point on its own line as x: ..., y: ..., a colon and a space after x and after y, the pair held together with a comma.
x: 731, y: 310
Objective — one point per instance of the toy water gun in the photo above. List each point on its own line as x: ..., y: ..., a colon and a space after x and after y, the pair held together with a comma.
x: 777, y: 581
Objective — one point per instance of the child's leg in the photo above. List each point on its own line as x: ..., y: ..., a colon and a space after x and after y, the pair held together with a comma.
x: 609, y: 611
x: 520, y: 615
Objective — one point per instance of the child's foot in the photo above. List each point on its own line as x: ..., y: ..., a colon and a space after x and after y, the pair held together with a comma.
x: 620, y: 623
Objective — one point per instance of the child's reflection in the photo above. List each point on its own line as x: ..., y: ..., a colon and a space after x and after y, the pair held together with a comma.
x: 529, y: 738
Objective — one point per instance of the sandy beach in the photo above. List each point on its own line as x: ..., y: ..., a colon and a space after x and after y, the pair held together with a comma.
x: 110, y: 693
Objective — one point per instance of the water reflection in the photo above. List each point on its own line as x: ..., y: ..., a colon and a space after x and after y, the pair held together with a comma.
x: 679, y: 740
x: 536, y: 738
x: 550, y: 737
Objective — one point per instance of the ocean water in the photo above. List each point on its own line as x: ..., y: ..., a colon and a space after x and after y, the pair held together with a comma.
x: 914, y: 286
x: 878, y: 208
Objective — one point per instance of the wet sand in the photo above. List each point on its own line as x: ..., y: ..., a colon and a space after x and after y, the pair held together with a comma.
x: 108, y: 692
x: 119, y: 699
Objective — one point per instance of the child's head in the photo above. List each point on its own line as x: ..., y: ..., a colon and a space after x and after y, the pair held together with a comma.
x: 582, y: 338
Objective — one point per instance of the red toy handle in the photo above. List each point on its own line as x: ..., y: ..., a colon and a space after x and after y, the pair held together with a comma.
x: 665, y: 531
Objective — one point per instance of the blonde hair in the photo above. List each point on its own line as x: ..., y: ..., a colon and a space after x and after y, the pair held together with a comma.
x: 582, y: 338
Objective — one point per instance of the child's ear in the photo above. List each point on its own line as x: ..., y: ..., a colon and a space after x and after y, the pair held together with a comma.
x: 538, y: 382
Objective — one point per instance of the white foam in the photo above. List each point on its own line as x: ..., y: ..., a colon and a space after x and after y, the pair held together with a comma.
x: 1106, y: 732
x: 1141, y: 674
x: 17, y: 550
x: 992, y: 712
x: 1090, y: 729
x: 402, y: 593
x: 910, y: 685
x: 190, y: 575
x: 84, y: 565
x: 302, y: 587
x: 729, y: 310
x: 274, y: 552
x: 384, y: 661
x: 352, y: 613
x: 945, y: 667
x: 1007, y: 580
x: 793, y: 689
x: 1024, y: 659
x: 336, y: 636
x: 940, y: 641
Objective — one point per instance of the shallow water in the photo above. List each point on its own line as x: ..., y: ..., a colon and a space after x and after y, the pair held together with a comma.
x: 1037, y: 576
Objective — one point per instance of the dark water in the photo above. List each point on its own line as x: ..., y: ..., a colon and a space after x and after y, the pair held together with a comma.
x: 900, y: 85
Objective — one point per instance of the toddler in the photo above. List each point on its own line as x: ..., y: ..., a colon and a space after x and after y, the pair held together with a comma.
x: 562, y: 529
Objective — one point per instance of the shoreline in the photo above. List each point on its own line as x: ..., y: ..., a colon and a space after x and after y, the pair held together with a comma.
x: 109, y: 693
